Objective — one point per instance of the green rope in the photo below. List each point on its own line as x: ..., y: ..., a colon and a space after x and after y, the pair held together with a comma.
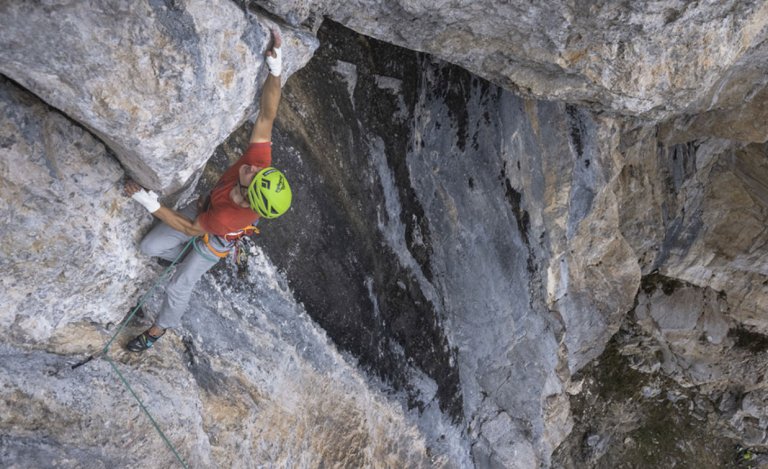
x: 105, y: 354
x: 146, y: 411
x: 146, y: 295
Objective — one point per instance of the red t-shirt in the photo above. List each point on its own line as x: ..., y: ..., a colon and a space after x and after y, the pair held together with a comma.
x: 224, y: 215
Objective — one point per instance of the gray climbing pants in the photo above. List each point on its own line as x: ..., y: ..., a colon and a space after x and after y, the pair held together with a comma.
x: 167, y: 243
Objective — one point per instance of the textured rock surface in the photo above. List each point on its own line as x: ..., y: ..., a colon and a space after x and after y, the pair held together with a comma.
x: 252, y: 382
x: 161, y: 82
x: 470, y: 252
x: 706, y: 223
x: 729, y: 254
x: 694, y: 336
x: 56, y: 180
x: 682, y: 383
x: 485, y: 206
x: 654, y: 59
x: 625, y: 419
x: 531, y: 223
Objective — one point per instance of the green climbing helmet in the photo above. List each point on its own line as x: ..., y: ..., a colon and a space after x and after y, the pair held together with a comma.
x: 269, y: 193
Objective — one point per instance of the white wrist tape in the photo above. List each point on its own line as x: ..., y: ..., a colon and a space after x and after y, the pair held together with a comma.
x: 147, y: 199
x: 275, y: 64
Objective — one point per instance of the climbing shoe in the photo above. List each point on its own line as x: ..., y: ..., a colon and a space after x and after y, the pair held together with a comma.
x: 142, y: 342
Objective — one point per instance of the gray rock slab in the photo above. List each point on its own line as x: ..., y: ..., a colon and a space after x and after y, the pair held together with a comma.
x: 697, y: 212
x: 652, y: 59
x: 161, y: 83
x: 68, y: 234
x: 249, y: 378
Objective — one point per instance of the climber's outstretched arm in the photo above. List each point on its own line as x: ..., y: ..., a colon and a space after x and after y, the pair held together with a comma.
x: 171, y: 217
x: 270, y: 93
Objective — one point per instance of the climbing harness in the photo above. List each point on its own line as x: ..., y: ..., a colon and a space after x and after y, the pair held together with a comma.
x: 221, y: 246
x: 216, y: 252
x: 227, y: 241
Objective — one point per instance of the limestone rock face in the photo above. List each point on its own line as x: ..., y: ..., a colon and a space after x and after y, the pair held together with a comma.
x: 729, y: 254
x: 527, y: 226
x: 683, y: 366
x: 691, y: 326
x: 229, y: 390
x: 650, y: 59
x: 480, y: 239
x: 468, y: 277
x: 161, y: 83
x: 62, y: 210
x: 706, y: 224
x: 232, y: 392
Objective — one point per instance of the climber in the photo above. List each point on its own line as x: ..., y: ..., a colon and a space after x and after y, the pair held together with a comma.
x: 248, y: 190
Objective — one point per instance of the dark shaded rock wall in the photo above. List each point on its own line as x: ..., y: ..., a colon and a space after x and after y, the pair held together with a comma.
x: 431, y: 207
x: 331, y: 247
